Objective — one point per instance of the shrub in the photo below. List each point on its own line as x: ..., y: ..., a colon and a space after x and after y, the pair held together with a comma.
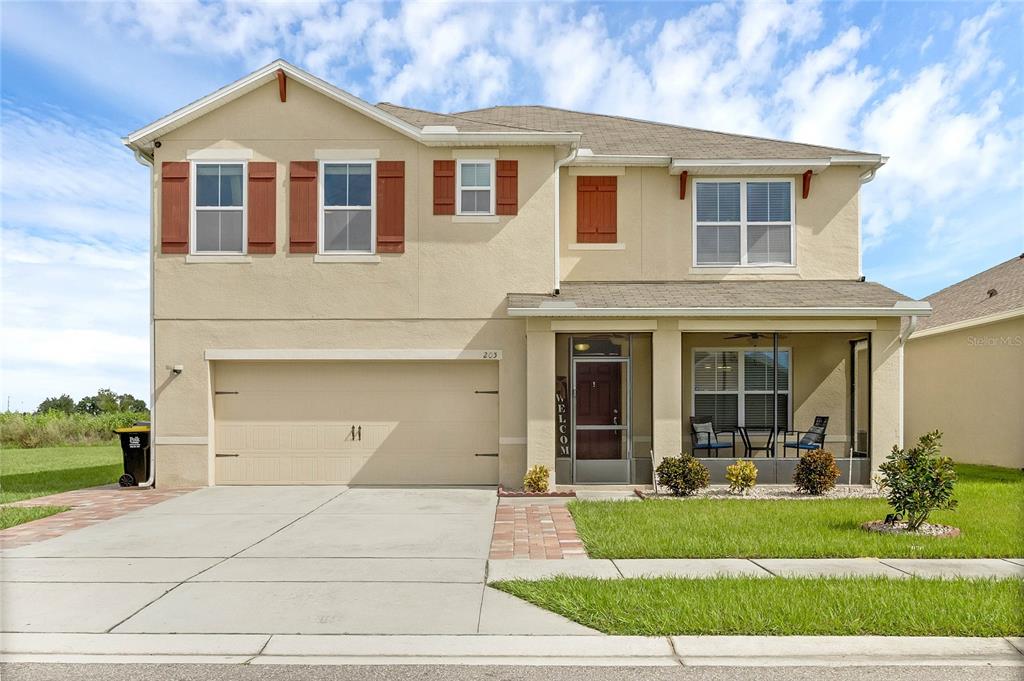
x: 536, y: 479
x: 918, y: 480
x: 816, y: 472
x: 55, y: 428
x: 742, y: 476
x: 683, y: 474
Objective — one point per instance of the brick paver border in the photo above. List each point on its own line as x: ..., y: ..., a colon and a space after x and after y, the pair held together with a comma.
x: 535, y: 531
x: 87, y: 507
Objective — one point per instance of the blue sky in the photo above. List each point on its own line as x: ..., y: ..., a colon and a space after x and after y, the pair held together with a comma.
x: 935, y: 86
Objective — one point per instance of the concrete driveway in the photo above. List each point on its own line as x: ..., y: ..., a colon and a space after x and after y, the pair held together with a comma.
x: 274, y: 560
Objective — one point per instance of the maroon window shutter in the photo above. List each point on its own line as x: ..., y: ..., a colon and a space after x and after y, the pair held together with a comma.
x: 596, y: 210
x: 391, y: 206
x: 302, y: 206
x: 507, y: 199
x: 174, y: 207
x: 262, y: 199
x: 444, y: 187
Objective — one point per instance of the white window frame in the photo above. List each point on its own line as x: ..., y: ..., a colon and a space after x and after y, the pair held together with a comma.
x: 743, y: 221
x: 458, y: 185
x: 193, y: 208
x: 741, y: 415
x: 321, y: 178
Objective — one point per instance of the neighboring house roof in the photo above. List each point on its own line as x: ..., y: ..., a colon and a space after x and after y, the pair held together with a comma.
x: 619, y: 135
x: 969, y: 302
x: 708, y: 298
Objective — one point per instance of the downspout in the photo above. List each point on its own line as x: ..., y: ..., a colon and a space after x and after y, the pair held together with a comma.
x: 573, y: 149
x: 147, y: 161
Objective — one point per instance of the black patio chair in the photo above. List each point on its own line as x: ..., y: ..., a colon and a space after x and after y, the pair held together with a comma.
x: 705, y: 436
x: 748, y: 449
x: 810, y: 439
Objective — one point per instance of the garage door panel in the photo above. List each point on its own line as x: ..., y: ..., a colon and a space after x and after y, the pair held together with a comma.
x: 356, y: 422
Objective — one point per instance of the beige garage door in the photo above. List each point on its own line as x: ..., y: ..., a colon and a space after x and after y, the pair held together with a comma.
x: 372, y: 423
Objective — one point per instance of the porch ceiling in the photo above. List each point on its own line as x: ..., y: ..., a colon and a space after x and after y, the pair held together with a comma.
x: 800, y: 298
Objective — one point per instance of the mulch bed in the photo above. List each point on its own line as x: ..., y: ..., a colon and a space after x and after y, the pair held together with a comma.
x: 900, y: 528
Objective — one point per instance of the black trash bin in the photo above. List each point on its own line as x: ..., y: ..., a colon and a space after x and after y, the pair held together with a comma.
x: 135, y: 452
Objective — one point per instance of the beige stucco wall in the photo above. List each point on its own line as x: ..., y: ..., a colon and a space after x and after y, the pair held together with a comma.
x: 655, y: 230
x: 970, y: 385
x: 449, y: 269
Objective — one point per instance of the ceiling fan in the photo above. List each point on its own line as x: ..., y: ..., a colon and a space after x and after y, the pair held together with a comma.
x: 753, y: 336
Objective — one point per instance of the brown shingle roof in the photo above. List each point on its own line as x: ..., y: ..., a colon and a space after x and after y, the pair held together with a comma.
x: 715, y: 294
x: 630, y: 136
x: 420, y: 117
x: 618, y: 135
x: 969, y: 299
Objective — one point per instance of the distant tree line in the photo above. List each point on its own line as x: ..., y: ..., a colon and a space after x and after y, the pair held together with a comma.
x: 105, y: 401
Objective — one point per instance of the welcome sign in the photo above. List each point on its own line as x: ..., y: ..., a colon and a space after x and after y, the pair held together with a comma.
x: 562, y: 416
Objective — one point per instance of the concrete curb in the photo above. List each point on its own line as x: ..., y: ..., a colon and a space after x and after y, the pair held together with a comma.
x: 780, y: 651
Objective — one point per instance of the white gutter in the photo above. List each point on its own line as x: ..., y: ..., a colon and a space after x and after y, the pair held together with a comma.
x: 147, y: 161
x: 573, y: 151
x: 870, y: 173
x: 911, y: 327
x: 569, y: 310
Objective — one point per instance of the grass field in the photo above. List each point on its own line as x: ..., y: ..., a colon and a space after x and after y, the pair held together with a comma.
x: 11, y: 516
x: 783, y: 607
x: 990, y: 516
x: 28, y: 473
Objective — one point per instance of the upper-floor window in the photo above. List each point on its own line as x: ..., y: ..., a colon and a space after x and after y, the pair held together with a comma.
x: 347, y: 222
x: 219, y: 215
x: 743, y: 222
x: 475, y: 185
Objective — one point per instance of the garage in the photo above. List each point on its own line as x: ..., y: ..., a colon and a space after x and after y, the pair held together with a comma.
x: 356, y: 422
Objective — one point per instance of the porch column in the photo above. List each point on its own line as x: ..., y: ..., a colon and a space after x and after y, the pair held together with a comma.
x: 540, y: 399
x: 886, y: 390
x: 667, y: 389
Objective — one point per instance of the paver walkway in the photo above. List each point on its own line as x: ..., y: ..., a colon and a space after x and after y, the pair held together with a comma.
x: 762, y: 567
x: 537, y: 531
x: 87, y: 507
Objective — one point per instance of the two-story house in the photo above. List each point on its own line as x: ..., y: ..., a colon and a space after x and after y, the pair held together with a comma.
x: 372, y: 294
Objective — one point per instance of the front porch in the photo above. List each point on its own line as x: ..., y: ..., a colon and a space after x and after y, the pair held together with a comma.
x: 607, y: 399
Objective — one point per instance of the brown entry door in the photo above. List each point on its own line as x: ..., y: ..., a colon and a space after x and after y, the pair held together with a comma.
x: 599, y: 411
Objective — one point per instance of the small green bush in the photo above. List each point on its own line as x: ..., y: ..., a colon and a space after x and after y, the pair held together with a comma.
x: 816, y: 472
x: 536, y: 479
x: 742, y: 476
x: 683, y: 474
x: 918, y: 480
x: 57, y: 429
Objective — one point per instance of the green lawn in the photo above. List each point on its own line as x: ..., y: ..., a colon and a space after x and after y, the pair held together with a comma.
x: 783, y: 607
x: 11, y: 515
x: 28, y: 473
x: 990, y: 516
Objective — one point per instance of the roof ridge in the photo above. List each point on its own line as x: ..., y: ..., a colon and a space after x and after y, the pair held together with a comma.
x: 657, y: 123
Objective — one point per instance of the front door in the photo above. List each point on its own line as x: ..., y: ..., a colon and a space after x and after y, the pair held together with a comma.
x: 601, y: 399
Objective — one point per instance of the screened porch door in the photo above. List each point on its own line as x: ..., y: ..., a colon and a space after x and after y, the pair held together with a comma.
x: 601, y: 415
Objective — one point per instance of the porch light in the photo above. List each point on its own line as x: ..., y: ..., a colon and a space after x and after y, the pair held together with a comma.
x: 581, y: 347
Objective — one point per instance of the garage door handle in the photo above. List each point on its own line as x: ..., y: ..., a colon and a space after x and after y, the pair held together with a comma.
x: 221, y: 456
x: 486, y: 454
x: 225, y: 392
x: 486, y: 392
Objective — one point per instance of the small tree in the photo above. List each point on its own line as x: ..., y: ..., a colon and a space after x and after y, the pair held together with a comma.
x: 816, y: 472
x: 919, y: 480
x: 684, y: 475
x: 742, y: 476
x: 63, y: 404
